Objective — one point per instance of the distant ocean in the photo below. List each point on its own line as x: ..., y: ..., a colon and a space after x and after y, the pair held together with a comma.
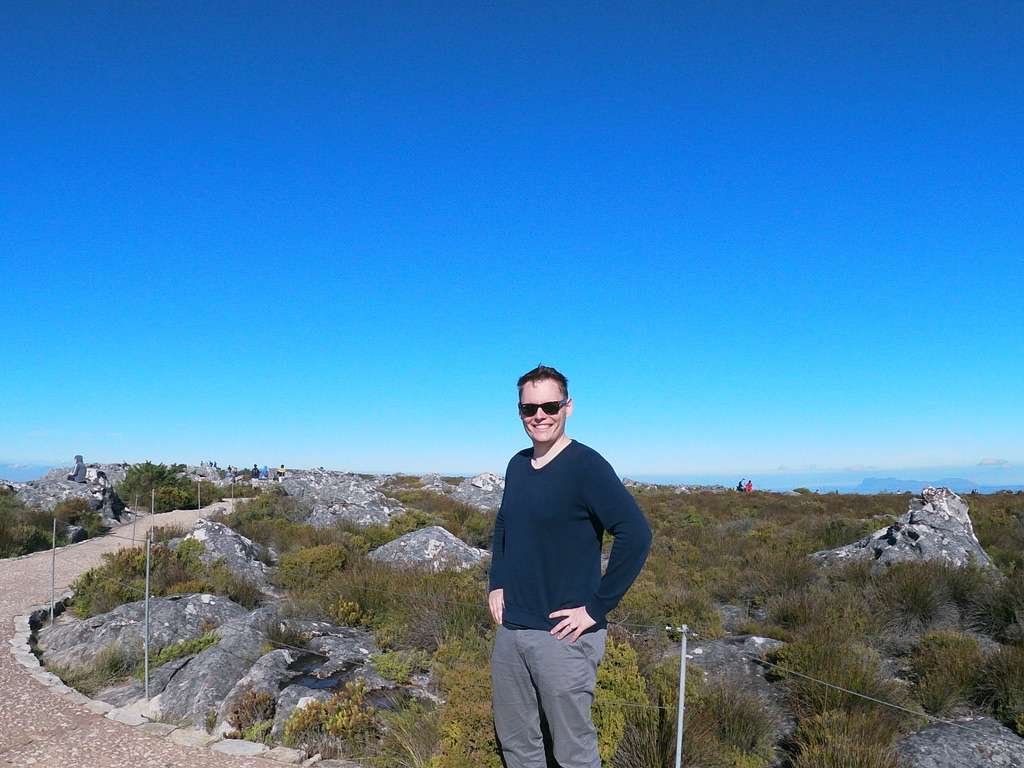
x: 21, y: 473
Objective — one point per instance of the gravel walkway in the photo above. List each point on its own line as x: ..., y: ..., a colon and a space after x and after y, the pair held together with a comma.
x: 39, y: 727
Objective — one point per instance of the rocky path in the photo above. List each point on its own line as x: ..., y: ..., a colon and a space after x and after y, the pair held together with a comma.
x: 38, y: 727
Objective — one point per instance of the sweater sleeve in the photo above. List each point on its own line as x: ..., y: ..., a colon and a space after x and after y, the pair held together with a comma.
x: 618, y: 512
x: 496, y: 579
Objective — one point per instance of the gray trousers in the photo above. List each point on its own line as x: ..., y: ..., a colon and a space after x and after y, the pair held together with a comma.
x: 535, y: 676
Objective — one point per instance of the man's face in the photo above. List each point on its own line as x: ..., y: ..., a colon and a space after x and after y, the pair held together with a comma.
x: 541, y: 427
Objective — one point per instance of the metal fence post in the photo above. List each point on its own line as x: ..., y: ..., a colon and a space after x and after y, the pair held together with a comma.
x: 682, y: 695
x: 53, y: 573
x: 152, y: 501
x: 135, y: 517
x: 145, y: 640
x: 199, y: 494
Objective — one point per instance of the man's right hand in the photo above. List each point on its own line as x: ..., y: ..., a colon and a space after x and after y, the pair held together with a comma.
x: 496, y: 602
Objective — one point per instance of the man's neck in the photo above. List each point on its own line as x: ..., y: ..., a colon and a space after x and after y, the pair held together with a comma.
x: 544, y: 452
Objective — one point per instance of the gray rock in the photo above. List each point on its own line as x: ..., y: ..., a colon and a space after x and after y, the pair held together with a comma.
x: 204, y: 682
x: 75, y: 533
x: 434, y: 482
x: 340, y: 496
x: 239, y: 748
x: 483, y: 491
x: 292, y: 698
x: 733, y: 659
x: 135, y: 690
x: 269, y: 674
x: 242, y: 557
x: 432, y: 548
x: 987, y: 744
x: 76, y: 642
x: 98, y: 490
x: 936, y: 527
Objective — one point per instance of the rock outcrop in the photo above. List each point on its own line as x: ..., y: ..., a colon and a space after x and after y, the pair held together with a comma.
x: 340, y: 496
x: 433, y: 548
x: 243, y: 557
x: 98, y: 490
x: 483, y: 491
x: 73, y: 642
x: 980, y: 743
x: 936, y: 527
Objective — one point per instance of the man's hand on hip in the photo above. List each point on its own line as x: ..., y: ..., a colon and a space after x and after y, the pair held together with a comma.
x: 576, y: 622
x: 496, y: 602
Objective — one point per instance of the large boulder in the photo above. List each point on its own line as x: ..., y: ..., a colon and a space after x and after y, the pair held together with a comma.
x: 98, y: 490
x: 935, y: 527
x: 242, y: 556
x: 433, y: 548
x: 75, y: 642
x: 484, y: 491
x: 340, y: 496
x: 974, y: 742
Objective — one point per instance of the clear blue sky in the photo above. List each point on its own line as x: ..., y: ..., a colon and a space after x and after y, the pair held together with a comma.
x: 753, y: 234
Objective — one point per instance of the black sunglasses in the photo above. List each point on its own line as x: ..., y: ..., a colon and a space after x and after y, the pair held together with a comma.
x: 530, y: 409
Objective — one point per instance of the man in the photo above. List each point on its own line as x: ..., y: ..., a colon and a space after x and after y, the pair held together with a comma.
x: 546, y: 588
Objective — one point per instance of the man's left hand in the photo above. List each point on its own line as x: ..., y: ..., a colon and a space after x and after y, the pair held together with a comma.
x: 576, y: 622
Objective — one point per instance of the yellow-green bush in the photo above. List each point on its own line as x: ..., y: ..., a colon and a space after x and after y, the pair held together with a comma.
x: 400, y: 665
x: 466, y: 722
x: 307, y: 569
x: 343, y: 724
x: 618, y: 680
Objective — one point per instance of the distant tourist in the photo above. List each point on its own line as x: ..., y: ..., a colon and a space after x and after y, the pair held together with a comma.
x: 255, y: 472
x: 78, y: 475
x: 749, y: 487
x: 279, y: 475
x: 741, y: 486
x: 264, y: 473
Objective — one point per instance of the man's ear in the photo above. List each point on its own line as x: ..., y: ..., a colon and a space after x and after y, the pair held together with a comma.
x: 568, y: 408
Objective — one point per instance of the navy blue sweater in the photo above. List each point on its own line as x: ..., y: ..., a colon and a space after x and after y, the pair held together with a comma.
x: 546, y: 553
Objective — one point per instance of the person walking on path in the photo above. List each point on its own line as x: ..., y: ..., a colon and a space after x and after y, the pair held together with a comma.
x: 741, y: 486
x: 749, y: 487
x: 547, y: 593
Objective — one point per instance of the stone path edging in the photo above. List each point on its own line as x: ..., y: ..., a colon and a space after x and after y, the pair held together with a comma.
x: 81, y: 736
x: 194, y: 737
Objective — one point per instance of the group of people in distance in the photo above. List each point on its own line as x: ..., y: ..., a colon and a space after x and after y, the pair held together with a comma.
x: 745, y: 486
x: 256, y: 473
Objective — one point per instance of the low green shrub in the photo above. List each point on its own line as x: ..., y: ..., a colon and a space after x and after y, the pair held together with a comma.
x: 179, y: 650
x: 111, y: 665
x: 466, y: 724
x: 400, y: 665
x: 121, y: 579
x: 998, y: 609
x: 851, y: 666
x: 411, y: 736
x: 307, y: 569
x: 915, y: 597
x: 838, y: 739
x: 1001, y: 686
x: 945, y: 667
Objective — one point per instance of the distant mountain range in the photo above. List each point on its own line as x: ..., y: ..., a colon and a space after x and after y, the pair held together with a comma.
x: 897, y: 485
